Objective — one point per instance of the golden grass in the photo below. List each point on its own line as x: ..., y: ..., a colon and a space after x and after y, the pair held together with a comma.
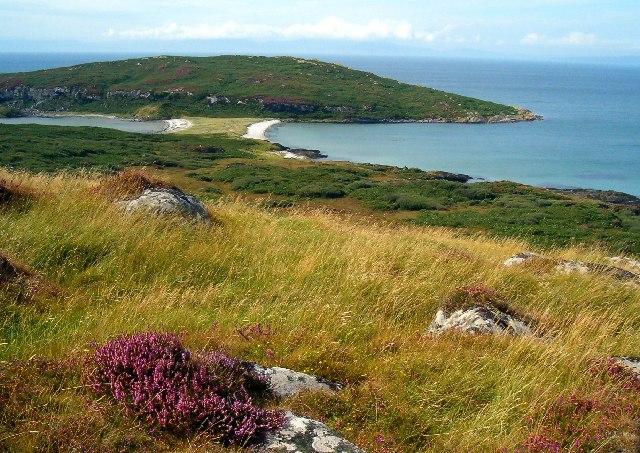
x: 236, y: 127
x: 347, y: 298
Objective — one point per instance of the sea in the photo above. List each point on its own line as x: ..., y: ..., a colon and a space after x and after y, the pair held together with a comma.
x: 589, y: 138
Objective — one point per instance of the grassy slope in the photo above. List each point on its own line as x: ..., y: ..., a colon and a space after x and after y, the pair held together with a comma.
x: 346, y: 298
x: 239, y: 77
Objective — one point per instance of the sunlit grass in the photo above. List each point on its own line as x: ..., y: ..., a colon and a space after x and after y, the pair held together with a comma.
x: 235, y: 127
x: 347, y: 298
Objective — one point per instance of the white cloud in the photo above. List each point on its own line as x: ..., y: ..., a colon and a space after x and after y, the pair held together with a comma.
x: 327, y: 28
x: 575, y: 38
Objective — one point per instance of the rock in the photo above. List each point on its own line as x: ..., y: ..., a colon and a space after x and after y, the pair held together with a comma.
x: 521, y: 258
x: 165, y: 201
x: 478, y: 319
x: 632, y: 364
x: 284, y: 382
x: 447, y: 176
x: 624, y: 261
x: 606, y: 196
x: 308, y: 153
x: 581, y: 267
x: 304, y: 435
x: 569, y: 266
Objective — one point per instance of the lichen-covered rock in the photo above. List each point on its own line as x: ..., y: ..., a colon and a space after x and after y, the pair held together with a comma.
x: 522, y: 258
x: 624, y: 261
x: 478, y: 319
x: 166, y: 201
x: 568, y: 267
x: 580, y: 267
x: 303, y: 435
x: 632, y: 364
x: 284, y: 382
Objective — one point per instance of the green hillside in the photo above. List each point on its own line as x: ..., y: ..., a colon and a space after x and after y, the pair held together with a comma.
x: 241, y: 86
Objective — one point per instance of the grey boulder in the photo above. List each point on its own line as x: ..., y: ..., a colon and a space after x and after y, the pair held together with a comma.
x: 478, y: 319
x: 284, y: 382
x: 166, y: 201
x: 303, y: 435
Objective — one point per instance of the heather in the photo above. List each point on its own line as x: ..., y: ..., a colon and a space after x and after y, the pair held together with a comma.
x: 159, y: 381
x: 340, y: 295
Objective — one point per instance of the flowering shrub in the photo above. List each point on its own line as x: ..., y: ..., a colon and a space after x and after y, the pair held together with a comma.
x: 158, y: 380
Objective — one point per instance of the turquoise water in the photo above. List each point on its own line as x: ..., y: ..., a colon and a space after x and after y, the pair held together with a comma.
x: 143, y: 127
x: 590, y: 136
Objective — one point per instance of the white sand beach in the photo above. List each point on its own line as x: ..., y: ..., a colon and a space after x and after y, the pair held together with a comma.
x: 257, y: 131
x: 176, y: 125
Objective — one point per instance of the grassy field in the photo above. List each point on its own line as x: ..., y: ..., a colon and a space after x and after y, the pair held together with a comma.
x: 235, y: 127
x: 245, y: 87
x: 345, y: 297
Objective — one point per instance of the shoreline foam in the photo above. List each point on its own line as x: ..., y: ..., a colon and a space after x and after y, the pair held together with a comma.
x: 257, y: 131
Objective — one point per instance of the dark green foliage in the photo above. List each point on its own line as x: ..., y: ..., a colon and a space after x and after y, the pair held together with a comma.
x: 317, y: 181
x: 50, y: 148
x: 266, y: 86
x: 503, y: 208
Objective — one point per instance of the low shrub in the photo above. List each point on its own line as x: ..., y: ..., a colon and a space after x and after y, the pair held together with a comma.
x: 161, y: 382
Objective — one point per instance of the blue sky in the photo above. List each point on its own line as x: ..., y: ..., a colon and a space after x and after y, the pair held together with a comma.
x: 524, y: 29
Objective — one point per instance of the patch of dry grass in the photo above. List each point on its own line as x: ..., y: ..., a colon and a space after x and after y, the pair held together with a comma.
x: 345, y: 297
x: 235, y: 127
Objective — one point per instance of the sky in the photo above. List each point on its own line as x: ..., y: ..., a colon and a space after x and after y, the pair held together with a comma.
x: 536, y: 29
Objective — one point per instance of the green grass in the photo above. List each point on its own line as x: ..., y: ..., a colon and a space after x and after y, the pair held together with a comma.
x: 54, y: 148
x: 311, y: 89
x: 348, y: 299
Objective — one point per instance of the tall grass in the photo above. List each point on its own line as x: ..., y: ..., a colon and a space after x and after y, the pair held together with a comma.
x: 347, y: 298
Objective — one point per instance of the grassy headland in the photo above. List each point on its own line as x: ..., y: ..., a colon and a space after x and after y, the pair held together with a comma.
x: 239, y: 86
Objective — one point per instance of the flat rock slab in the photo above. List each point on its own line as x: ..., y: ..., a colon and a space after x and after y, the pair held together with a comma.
x: 303, y: 435
x: 284, y: 382
x: 478, y: 319
x: 164, y: 201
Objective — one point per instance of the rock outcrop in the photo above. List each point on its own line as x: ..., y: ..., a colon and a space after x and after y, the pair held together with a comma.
x: 581, y: 267
x: 624, y: 261
x: 522, y: 258
x: 167, y: 201
x: 284, y: 382
x: 303, y: 435
x: 571, y: 266
x: 478, y: 319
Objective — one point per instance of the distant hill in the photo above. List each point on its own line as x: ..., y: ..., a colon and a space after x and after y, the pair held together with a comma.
x: 286, y: 87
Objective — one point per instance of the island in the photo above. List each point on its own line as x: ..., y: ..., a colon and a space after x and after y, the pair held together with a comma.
x: 241, y: 86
